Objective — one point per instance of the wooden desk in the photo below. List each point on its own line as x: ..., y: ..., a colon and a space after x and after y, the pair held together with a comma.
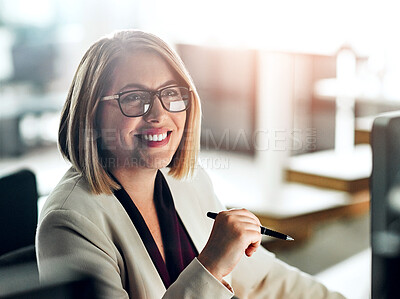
x: 362, y: 136
x: 346, y: 172
x: 363, y: 129
x: 301, y: 227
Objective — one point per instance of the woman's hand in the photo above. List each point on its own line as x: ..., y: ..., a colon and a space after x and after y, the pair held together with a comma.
x: 235, y: 232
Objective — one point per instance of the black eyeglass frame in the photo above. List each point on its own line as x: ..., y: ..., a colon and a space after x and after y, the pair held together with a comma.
x: 152, y: 94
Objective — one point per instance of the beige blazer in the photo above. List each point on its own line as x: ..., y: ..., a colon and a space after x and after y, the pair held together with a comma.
x: 93, y: 234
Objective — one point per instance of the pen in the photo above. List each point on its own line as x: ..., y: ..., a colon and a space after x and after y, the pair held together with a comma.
x: 264, y: 230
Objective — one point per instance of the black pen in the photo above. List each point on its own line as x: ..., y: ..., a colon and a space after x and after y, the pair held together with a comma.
x: 264, y: 230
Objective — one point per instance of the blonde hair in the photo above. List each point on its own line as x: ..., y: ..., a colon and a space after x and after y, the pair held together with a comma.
x: 77, y: 138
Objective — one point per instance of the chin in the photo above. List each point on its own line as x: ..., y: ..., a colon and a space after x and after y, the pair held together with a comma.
x: 156, y: 162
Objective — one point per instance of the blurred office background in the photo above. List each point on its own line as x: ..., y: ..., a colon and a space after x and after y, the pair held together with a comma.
x: 289, y: 90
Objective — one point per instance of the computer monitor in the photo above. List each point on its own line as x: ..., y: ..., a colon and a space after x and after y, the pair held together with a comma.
x: 385, y: 215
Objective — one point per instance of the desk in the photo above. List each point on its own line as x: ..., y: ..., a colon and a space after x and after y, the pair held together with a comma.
x: 348, y: 172
x: 363, y: 129
x: 302, y: 226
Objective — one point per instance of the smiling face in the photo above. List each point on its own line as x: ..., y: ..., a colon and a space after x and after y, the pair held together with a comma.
x: 148, y: 141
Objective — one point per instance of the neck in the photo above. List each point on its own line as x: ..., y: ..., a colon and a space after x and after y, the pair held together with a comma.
x: 138, y: 183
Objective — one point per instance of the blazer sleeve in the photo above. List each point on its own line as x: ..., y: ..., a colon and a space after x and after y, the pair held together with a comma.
x: 68, y: 242
x: 196, y: 282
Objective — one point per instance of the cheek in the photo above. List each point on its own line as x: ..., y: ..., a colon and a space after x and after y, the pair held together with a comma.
x: 180, y: 121
x: 113, y: 126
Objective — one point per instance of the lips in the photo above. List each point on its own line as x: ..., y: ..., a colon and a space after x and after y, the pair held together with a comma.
x: 155, y: 137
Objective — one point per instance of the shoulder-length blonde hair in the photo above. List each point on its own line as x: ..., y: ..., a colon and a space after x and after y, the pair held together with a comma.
x: 77, y: 137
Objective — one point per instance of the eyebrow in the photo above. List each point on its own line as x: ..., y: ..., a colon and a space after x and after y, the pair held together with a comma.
x: 140, y: 86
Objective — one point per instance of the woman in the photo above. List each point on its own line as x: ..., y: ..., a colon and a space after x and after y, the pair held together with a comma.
x: 124, y: 213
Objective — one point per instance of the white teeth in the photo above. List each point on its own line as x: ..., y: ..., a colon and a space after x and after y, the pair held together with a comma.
x: 159, y: 137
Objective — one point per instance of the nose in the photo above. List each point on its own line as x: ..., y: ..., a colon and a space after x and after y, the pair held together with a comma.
x: 157, y: 112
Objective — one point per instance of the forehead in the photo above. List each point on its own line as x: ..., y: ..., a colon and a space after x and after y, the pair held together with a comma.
x: 146, y: 69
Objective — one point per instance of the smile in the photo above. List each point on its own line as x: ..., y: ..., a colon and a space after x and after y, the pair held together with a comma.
x: 155, y: 140
x: 159, y: 137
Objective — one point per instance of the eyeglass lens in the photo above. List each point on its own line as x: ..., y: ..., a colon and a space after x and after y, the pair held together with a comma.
x: 135, y: 103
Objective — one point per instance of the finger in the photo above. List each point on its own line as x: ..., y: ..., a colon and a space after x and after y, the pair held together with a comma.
x: 245, y: 227
x: 251, y: 227
x: 253, y: 236
x: 252, y: 216
x: 255, y: 218
x: 240, y: 215
x: 252, y: 248
x: 243, y: 218
x: 245, y: 212
x: 240, y: 223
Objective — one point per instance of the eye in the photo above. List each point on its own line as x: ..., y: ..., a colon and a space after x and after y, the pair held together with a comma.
x: 134, y: 97
x: 170, y: 92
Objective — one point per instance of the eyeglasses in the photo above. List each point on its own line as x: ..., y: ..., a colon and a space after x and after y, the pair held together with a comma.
x: 134, y: 103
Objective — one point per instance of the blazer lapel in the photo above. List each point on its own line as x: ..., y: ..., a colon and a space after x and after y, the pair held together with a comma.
x: 141, y: 258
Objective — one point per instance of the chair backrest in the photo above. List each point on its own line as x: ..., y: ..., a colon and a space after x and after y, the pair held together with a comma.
x: 21, y: 282
x: 18, y: 210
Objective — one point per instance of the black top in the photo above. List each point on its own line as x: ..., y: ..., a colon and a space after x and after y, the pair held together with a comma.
x: 178, y: 246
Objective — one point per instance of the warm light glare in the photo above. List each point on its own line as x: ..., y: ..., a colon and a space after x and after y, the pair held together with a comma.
x: 38, y: 12
x: 303, y: 26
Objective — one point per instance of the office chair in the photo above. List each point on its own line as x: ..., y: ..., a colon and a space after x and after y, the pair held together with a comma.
x: 21, y: 282
x: 18, y: 269
x: 18, y: 210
